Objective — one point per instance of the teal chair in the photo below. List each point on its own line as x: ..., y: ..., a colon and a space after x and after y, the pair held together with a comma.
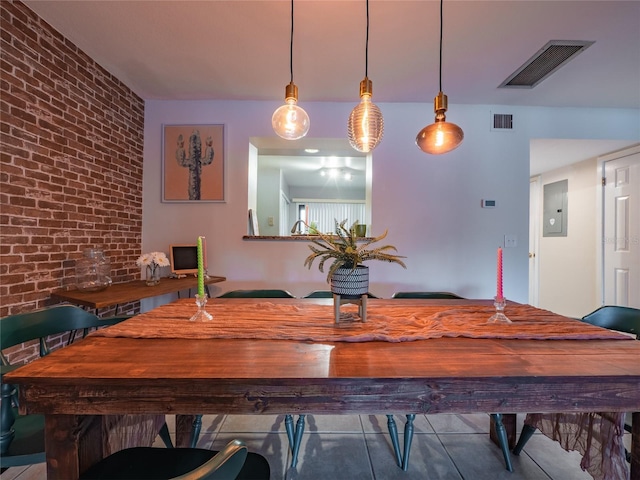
x: 426, y: 295
x: 232, y: 462
x: 257, y: 294
x: 22, y: 436
x: 500, y: 429
x: 612, y: 317
x: 328, y: 294
x: 288, y: 421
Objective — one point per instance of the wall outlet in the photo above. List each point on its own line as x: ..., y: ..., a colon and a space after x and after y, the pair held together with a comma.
x: 510, y: 241
x: 270, y: 221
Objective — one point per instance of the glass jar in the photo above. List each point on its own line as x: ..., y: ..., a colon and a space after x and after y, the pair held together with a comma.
x: 93, y: 271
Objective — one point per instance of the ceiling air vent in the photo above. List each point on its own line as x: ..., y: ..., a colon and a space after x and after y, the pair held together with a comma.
x: 546, y: 61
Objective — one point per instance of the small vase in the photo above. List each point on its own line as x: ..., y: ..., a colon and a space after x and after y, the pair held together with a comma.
x: 350, y: 281
x: 153, y: 275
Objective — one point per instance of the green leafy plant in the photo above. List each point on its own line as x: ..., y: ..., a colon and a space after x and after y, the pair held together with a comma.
x: 345, y: 250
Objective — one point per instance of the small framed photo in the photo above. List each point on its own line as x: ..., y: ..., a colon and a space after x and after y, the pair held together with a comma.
x: 193, y: 163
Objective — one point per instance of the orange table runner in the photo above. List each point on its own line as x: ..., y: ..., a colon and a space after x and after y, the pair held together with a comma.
x: 389, y: 323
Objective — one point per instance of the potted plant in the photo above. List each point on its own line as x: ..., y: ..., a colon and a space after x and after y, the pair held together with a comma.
x: 347, y: 275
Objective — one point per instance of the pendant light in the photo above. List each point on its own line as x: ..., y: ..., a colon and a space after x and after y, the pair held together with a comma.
x: 366, y: 126
x: 290, y: 121
x: 441, y: 136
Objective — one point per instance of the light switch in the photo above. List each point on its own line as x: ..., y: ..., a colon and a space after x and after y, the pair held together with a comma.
x: 510, y: 241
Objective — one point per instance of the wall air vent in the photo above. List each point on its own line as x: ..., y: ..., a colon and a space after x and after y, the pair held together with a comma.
x: 502, y: 121
x: 546, y: 61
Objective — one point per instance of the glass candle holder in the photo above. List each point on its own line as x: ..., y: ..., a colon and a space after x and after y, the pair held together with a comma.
x: 499, y: 316
x: 201, y: 315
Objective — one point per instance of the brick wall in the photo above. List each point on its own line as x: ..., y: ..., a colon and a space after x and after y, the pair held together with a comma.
x: 71, y: 163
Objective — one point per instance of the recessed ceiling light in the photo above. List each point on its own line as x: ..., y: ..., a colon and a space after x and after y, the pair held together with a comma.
x: 311, y: 150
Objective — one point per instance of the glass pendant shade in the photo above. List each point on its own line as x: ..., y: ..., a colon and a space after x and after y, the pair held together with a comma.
x: 290, y: 121
x: 366, y: 125
x: 441, y: 136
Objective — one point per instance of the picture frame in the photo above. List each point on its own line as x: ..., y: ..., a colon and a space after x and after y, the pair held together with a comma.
x: 198, y: 179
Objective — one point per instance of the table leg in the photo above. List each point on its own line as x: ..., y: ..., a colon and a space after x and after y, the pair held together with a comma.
x: 184, y: 428
x: 74, y: 443
x: 635, y: 446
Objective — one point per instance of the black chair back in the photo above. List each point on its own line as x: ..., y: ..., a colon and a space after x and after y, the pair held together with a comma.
x: 425, y: 295
x: 614, y: 317
x: 269, y: 293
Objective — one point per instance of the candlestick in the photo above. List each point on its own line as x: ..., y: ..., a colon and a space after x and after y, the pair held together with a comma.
x: 201, y: 315
x: 200, y: 269
x: 499, y: 317
x: 499, y: 289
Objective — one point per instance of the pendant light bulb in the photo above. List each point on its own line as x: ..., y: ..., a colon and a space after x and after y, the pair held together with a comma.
x: 290, y: 121
x: 441, y: 136
x: 366, y: 125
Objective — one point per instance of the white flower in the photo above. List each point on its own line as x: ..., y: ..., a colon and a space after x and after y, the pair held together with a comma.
x: 153, y: 259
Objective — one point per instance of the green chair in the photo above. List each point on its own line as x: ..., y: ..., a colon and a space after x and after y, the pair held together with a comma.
x: 140, y: 463
x: 260, y: 293
x: 500, y: 429
x: 328, y: 294
x: 402, y: 459
x: 22, y: 436
x: 257, y: 294
x: 426, y: 295
x: 612, y: 317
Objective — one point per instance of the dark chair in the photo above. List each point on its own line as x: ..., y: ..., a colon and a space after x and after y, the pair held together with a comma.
x: 140, y: 463
x: 425, y: 295
x: 257, y: 294
x: 328, y: 294
x: 612, y: 317
x: 22, y: 436
x: 500, y: 429
x: 261, y: 293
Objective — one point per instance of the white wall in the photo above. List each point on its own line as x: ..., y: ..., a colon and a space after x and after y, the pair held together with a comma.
x: 430, y: 204
x: 568, y: 264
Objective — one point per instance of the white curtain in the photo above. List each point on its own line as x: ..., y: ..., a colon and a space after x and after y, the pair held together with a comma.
x: 326, y: 214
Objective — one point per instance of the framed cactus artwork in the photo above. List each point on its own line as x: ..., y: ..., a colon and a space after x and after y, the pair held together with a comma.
x: 193, y: 163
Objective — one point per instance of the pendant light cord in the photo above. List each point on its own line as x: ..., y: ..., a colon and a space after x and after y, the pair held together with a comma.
x: 366, y: 48
x: 440, y: 68
x: 291, y: 45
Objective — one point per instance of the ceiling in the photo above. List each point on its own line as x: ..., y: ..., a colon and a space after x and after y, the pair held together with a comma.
x: 239, y: 49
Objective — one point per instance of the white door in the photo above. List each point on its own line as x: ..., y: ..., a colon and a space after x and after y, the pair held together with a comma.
x: 621, y: 233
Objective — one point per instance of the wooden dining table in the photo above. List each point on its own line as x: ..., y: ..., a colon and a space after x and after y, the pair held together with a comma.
x: 408, y: 358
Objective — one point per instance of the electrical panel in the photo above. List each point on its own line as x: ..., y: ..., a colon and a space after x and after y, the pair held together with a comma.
x: 554, y: 209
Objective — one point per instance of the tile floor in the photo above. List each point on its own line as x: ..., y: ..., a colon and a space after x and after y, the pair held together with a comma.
x: 357, y: 447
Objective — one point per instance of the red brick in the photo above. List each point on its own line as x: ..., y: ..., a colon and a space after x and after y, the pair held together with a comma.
x: 72, y: 146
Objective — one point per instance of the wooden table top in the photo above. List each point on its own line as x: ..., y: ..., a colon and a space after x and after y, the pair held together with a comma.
x: 121, y: 293
x: 458, y: 375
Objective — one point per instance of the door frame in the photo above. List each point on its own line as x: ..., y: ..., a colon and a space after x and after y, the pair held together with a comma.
x: 534, y: 240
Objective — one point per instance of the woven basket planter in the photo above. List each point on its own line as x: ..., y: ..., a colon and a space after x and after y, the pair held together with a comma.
x: 351, y: 282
